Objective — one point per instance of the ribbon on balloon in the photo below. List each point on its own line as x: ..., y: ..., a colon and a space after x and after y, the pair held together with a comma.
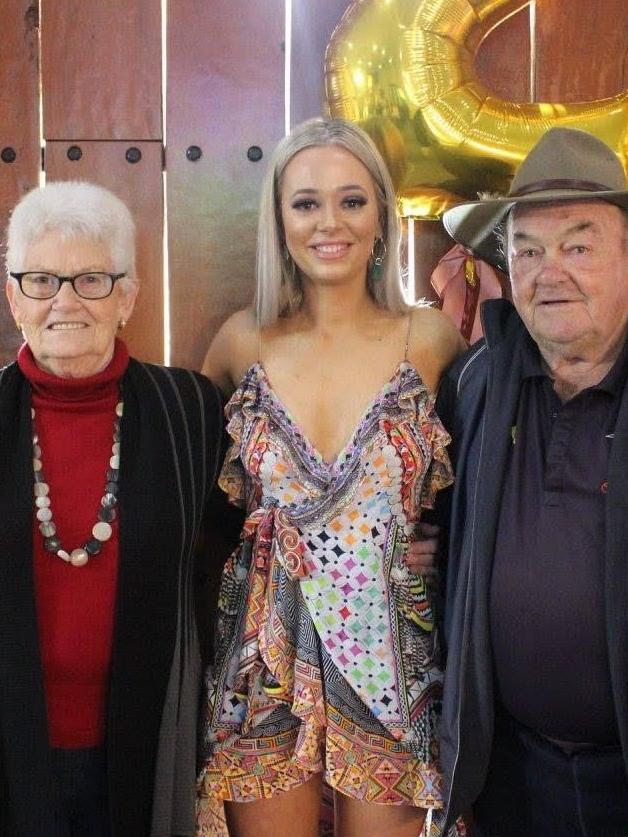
x: 462, y: 283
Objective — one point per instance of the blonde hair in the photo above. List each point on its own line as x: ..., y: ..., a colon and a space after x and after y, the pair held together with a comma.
x: 73, y: 208
x: 278, y: 287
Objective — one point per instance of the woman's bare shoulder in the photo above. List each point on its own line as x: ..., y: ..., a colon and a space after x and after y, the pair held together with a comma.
x: 434, y: 343
x: 233, y: 349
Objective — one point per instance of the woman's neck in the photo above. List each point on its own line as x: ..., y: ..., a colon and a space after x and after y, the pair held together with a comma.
x: 82, y: 367
x: 334, y: 308
x: 73, y: 387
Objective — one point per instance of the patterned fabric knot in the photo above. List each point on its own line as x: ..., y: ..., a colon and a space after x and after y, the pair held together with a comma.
x: 275, y: 536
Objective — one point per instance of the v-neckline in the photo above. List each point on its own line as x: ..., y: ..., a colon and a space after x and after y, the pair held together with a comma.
x: 344, y: 452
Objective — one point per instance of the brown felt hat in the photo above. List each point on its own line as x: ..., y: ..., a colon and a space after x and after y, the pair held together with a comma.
x: 565, y: 164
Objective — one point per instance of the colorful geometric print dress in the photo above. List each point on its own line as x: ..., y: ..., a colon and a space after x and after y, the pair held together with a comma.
x: 327, y: 656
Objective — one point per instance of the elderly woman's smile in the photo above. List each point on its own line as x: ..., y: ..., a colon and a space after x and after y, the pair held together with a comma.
x: 70, y: 336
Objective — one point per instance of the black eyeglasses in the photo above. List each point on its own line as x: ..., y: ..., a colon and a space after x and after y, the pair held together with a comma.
x: 40, y: 285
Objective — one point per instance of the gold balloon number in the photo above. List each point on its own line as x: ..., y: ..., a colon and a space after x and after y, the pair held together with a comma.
x: 404, y: 70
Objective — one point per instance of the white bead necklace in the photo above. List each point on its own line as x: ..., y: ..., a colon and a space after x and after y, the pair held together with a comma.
x: 101, y: 531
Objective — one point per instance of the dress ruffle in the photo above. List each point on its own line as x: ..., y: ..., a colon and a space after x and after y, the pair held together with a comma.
x: 419, y: 407
x: 243, y: 406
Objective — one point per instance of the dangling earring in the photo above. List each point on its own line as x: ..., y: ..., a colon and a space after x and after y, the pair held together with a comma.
x: 376, y: 266
x: 121, y: 324
x: 285, y: 253
x: 18, y: 325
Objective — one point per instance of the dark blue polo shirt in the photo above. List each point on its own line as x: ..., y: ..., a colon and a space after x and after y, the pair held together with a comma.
x: 547, y: 584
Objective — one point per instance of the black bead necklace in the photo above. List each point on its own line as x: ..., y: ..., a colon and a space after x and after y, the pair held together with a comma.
x: 101, y: 531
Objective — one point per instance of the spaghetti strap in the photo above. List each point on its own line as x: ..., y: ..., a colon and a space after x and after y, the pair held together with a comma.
x: 259, y: 345
x: 405, y: 354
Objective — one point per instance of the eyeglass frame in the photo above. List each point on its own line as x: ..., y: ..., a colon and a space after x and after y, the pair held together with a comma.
x: 71, y: 279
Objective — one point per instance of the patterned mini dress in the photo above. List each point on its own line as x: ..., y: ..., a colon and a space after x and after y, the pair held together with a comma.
x: 327, y: 653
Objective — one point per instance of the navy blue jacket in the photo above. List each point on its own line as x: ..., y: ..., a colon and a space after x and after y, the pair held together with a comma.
x: 477, y: 403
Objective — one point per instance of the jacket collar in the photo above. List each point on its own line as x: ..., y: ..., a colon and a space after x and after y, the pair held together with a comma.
x: 500, y: 321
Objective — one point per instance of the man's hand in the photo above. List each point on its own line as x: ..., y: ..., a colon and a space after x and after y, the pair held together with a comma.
x: 421, y: 555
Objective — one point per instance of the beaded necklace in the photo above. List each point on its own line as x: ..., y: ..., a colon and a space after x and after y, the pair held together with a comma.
x: 101, y: 531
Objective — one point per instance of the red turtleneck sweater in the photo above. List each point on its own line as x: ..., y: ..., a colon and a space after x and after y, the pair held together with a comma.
x: 75, y: 605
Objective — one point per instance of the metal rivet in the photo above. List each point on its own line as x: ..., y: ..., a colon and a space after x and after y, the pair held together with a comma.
x: 8, y: 154
x: 74, y: 153
x: 194, y: 153
x: 255, y: 153
x: 133, y: 155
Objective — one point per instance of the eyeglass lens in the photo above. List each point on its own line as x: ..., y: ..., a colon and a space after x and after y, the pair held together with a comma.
x: 86, y: 285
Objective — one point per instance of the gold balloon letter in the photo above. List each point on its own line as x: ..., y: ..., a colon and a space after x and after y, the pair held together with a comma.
x: 404, y: 70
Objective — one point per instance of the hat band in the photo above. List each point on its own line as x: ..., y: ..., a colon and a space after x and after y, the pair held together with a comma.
x: 548, y: 185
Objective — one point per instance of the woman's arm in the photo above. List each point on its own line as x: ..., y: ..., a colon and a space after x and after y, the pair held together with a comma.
x: 435, y: 343
x: 232, y: 351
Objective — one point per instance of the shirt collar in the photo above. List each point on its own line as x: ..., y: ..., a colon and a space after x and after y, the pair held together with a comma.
x: 613, y: 382
x: 531, y: 362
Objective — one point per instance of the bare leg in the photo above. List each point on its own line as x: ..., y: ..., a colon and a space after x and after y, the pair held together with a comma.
x: 294, y: 813
x: 367, y: 819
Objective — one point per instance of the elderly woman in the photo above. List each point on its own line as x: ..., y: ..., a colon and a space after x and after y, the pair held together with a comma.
x: 327, y: 664
x: 106, y: 465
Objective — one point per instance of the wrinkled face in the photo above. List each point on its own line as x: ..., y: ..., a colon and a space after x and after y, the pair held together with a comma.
x: 70, y: 336
x: 330, y: 214
x: 569, y: 274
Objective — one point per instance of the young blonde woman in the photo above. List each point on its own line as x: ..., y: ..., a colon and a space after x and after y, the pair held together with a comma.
x: 327, y: 665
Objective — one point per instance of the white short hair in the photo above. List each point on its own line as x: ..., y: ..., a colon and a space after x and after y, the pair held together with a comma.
x: 73, y: 208
x: 278, y: 289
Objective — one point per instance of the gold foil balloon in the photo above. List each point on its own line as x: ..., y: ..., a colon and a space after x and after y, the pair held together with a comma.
x: 404, y: 70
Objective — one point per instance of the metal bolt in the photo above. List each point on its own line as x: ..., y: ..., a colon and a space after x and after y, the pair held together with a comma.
x: 74, y: 153
x: 194, y: 153
x: 255, y: 153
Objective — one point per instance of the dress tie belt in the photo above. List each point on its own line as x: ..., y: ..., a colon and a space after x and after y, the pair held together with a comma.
x: 275, y: 537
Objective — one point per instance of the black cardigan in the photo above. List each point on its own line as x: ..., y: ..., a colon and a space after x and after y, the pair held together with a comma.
x: 172, y: 439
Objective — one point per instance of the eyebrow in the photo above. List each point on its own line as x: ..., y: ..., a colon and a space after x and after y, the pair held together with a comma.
x: 581, y: 227
x: 351, y: 187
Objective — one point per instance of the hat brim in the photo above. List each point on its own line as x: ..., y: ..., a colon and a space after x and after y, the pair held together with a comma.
x: 473, y: 224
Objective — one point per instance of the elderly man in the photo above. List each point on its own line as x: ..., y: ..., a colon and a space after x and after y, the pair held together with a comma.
x: 535, y: 725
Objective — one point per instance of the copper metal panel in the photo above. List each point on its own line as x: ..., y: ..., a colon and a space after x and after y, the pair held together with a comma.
x: 101, y: 69
x: 140, y: 186
x: 225, y: 94
x: 19, y: 128
x: 503, y: 59
x: 312, y: 27
x: 581, y: 49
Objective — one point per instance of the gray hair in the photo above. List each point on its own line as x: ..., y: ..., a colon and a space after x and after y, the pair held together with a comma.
x: 278, y: 290
x: 73, y: 208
